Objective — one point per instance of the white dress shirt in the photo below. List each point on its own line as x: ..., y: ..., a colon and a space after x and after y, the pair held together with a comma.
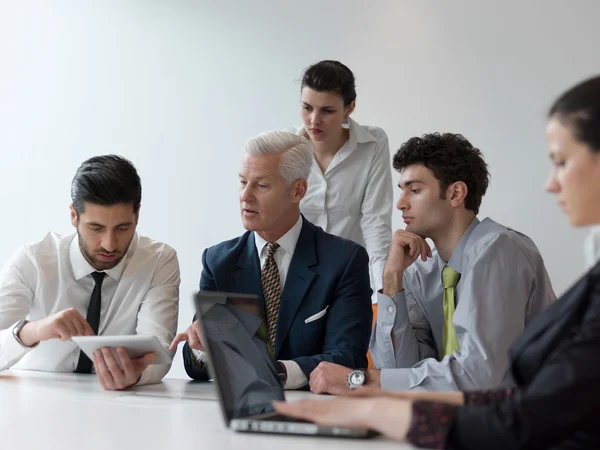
x: 139, y: 296
x: 353, y: 198
x: 283, y: 258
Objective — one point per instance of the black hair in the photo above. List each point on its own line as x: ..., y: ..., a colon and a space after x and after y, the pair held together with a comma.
x: 451, y: 158
x: 329, y: 75
x: 106, y: 180
x: 579, y: 109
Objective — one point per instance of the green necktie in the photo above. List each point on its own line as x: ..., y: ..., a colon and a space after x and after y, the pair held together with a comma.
x: 263, y: 335
x: 450, y: 279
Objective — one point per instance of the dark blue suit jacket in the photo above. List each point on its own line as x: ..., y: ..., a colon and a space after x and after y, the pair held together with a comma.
x: 325, y: 271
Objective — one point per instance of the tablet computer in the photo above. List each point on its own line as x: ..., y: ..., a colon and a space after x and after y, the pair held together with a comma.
x: 136, y: 346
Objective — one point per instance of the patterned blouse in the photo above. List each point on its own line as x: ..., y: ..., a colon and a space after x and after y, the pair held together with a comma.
x: 432, y: 422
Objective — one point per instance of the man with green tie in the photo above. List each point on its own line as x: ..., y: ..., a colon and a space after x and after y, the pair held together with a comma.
x: 446, y: 317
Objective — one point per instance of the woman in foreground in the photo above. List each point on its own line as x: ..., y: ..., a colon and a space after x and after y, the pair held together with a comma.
x: 556, y: 401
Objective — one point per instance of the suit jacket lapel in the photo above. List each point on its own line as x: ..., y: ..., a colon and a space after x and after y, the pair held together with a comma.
x: 247, y: 275
x: 299, y: 279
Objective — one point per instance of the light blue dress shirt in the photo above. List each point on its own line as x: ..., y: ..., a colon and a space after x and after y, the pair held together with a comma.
x: 503, y: 285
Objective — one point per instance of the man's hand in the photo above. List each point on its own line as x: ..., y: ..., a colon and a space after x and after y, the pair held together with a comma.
x: 114, y: 378
x: 329, y: 378
x: 62, y: 325
x: 389, y: 416
x: 405, y: 248
x: 190, y: 335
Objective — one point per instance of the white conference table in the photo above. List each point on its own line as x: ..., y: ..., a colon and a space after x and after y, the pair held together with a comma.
x: 68, y: 411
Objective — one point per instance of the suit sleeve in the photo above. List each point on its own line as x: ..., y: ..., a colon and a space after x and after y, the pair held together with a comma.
x: 348, y: 320
x: 562, y: 399
x: 195, y: 369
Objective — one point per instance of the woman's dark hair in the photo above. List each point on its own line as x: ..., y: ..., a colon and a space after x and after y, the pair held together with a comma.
x: 579, y: 109
x: 106, y: 180
x: 451, y: 158
x: 328, y: 75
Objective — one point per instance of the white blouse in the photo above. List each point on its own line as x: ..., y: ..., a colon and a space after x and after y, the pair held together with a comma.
x: 353, y: 198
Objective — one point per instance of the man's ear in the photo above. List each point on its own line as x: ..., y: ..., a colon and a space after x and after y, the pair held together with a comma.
x: 137, y: 215
x: 74, y: 217
x: 299, y: 188
x: 457, y: 193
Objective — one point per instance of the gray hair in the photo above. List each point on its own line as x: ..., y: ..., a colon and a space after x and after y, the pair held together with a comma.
x: 297, y: 153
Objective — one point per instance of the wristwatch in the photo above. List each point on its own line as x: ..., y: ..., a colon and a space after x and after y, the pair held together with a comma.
x: 17, y: 329
x: 357, y: 378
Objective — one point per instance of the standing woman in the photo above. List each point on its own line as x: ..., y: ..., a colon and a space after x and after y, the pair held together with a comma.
x: 556, y: 401
x: 350, y: 182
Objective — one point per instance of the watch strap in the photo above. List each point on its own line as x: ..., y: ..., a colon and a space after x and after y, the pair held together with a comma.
x: 17, y: 329
x: 282, y: 372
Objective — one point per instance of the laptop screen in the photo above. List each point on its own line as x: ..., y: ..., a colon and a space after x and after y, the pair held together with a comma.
x: 239, y: 356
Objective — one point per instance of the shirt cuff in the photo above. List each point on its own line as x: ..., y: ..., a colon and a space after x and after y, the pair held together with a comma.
x: 295, y: 377
x: 376, y: 271
x: 197, y: 357
x: 430, y: 425
x: 392, y: 310
x: 395, y: 379
x: 153, y: 374
x: 11, y: 350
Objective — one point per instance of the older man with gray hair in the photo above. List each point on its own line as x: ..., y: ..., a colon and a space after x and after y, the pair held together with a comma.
x: 315, y: 286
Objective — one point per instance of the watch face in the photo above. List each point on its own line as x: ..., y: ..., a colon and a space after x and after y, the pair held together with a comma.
x: 357, y: 378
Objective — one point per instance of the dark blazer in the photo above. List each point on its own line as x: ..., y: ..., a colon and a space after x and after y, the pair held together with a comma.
x: 556, y: 365
x: 326, y: 271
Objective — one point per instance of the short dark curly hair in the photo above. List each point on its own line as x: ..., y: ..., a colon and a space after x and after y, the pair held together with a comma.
x: 451, y: 158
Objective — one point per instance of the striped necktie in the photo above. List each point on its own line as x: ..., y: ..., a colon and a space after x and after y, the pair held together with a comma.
x: 271, y: 287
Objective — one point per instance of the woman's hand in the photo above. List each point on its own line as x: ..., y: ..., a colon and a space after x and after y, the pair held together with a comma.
x: 386, y: 415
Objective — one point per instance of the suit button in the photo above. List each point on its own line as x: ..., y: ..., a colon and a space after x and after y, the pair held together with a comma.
x: 391, y: 309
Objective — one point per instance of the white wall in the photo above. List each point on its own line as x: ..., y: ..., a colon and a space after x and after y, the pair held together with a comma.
x: 177, y: 86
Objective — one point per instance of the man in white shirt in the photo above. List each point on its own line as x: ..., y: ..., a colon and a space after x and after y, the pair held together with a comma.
x: 315, y: 285
x: 103, y: 279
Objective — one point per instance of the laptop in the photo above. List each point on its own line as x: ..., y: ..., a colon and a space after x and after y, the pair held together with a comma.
x: 244, y: 372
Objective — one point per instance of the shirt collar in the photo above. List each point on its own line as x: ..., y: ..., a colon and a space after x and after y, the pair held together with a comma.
x: 82, y: 268
x: 359, y: 134
x: 457, y: 255
x: 287, y: 242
